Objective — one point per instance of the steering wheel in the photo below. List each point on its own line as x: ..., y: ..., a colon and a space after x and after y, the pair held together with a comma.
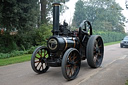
x: 85, y: 30
x: 87, y: 27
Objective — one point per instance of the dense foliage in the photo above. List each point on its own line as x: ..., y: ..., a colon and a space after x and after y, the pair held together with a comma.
x: 103, y: 14
x: 43, y: 33
x: 110, y: 36
x: 18, y: 19
x: 21, y: 15
x: 18, y: 25
x: 24, y: 40
x: 46, y: 9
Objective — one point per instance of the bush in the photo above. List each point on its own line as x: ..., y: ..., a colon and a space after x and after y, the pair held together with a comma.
x: 12, y: 54
x: 24, y: 40
x: 109, y: 36
x: 31, y: 50
x: 42, y: 34
x: 21, y: 41
x: 4, y: 55
x: 7, y: 43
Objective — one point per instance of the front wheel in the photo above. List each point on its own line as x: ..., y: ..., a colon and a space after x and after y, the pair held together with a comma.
x: 38, y: 60
x: 95, y: 51
x: 121, y: 46
x: 71, y: 64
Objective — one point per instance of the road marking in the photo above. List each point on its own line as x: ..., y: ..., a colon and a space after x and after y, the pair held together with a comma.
x: 94, y: 73
x: 88, y: 77
x: 123, y: 57
x: 120, y: 58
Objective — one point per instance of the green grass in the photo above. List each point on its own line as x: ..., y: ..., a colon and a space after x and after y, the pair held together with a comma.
x: 17, y: 59
x: 27, y: 57
x: 111, y: 43
x: 126, y: 82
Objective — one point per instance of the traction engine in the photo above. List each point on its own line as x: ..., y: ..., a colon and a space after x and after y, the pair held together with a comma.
x: 66, y: 48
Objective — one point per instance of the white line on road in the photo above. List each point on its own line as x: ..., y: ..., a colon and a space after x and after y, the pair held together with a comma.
x: 120, y: 58
x: 123, y: 57
x: 88, y: 77
x: 94, y: 73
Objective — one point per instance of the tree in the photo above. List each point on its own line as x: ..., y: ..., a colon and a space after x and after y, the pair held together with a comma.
x: 46, y: 9
x: 0, y: 12
x: 126, y: 3
x: 103, y: 14
x: 19, y: 14
x: 79, y: 13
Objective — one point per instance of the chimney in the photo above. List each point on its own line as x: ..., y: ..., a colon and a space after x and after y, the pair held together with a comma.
x: 56, y: 18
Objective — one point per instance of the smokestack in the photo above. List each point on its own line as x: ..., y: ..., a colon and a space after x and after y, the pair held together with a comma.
x: 56, y: 18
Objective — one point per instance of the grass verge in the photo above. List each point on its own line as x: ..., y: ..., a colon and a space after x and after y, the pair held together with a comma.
x: 27, y: 57
x: 126, y: 82
x: 17, y: 59
x: 111, y: 43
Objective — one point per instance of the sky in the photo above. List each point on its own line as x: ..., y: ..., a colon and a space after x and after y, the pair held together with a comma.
x: 68, y: 15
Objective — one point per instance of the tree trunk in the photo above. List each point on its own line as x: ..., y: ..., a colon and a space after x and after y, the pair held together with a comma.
x: 43, y: 11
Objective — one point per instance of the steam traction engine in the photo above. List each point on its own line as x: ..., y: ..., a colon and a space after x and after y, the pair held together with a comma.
x: 67, y: 48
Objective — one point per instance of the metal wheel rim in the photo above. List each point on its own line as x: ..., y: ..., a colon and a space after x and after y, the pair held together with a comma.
x: 98, y: 52
x: 72, y: 65
x: 39, y: 60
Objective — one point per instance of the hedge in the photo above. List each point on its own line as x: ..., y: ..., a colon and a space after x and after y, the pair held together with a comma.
x: 110, y: 36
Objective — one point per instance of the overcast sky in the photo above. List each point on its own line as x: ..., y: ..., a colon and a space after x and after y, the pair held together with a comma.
x: 68, y: 15
x: 124, y: 11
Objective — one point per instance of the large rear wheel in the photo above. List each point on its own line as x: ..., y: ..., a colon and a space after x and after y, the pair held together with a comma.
x: 95, y: 51
x: 38, y: 60
x: 71, y: 64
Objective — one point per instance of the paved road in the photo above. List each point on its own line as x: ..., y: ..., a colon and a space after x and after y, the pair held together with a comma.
x: 114, y: 71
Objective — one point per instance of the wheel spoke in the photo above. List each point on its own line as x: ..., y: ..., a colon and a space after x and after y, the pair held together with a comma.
x: 95, y: 58
x: 68, y: 65
x: 96, y: 44
x: 69, y: 58
x: 37, y: 61
x: 94, y: 51
x: 74, y: 58
x: 99, y: 54
x: 67, y: 70
x: 98, y: 61
x: 37, y: 64
x: 100, y: 46
x: 76, y: 62
x: 37, y: 57
x: 39, y: 54
x: 40, y: 67
x: 45, y: 54
x: 74, y: 68
x: 70, y: 72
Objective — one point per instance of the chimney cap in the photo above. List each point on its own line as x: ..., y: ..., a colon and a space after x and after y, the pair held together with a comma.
x: 56, y: 4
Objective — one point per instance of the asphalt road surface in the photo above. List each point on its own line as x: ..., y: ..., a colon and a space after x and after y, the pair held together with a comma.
x: 114, y: 71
